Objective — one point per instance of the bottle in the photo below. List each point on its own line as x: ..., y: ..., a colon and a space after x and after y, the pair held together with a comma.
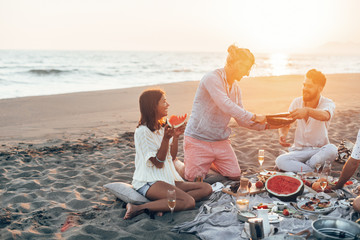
x: 243, y: 192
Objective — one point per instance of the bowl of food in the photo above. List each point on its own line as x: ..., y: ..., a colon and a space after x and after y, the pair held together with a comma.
x: 279, y: 119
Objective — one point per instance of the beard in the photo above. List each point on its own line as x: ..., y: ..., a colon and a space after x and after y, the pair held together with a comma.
x: 308, y: 96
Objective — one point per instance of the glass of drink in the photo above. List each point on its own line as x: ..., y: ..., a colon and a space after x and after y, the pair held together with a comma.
x: 323, y: 185
x: 261, y: 157
x: 242, y: 203
x: 318, y: 166
x: 301, y: 175
x: 171, y: 197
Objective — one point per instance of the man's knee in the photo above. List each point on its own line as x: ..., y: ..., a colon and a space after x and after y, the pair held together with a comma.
x: 331, y: 151
x: 280, y: 161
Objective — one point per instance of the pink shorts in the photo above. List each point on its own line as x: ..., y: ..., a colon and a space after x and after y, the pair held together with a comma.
x: 199, y: 155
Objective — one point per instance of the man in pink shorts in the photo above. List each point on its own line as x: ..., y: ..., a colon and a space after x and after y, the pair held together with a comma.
x: 217, y: 100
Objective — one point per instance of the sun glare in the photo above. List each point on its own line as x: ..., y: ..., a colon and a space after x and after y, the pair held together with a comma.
x: 278, y: 64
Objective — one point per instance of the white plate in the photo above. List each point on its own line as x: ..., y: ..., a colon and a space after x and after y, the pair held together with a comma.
x: 268, y: 173
x: 290, y: 173
x: 277, y: 220
x: 269, y: 205
x: 319, y: 210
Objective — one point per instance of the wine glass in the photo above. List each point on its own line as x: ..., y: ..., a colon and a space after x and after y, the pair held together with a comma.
x: 171, y: 197
x: 261, y: 157
x: 323, y: 185
x: 318, y: 166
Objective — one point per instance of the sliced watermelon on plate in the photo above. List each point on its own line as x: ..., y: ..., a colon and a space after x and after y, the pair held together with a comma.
x: 176, y: 121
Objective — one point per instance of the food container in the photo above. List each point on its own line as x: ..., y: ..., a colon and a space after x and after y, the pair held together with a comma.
x: 335, y: 228
x: 280, y: 205
x: 279, y: 119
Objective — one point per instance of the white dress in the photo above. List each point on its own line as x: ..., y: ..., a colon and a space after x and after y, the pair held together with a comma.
x: 147, y: 144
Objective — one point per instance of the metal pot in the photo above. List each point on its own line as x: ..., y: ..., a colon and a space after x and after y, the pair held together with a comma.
x: 335, y: 228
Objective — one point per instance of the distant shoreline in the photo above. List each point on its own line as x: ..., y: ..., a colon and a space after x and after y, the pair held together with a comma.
x: 150, y: 85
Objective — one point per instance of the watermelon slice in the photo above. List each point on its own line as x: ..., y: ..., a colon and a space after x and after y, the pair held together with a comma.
x: 176, y: 121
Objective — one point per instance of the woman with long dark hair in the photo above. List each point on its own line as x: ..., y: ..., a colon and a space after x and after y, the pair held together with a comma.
x: 156, y: 147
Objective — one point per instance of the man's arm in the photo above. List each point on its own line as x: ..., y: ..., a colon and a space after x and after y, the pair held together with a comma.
x: 348, y: 170
x: 282, y: 136
x: 318, y: 114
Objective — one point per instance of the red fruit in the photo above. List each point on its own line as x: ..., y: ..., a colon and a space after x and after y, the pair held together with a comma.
x: 176, y: 121
x: 262, y: 207
x: 259, y: 184
x: 286, y: 212
x: 348, y: 183
x: 307, y: 183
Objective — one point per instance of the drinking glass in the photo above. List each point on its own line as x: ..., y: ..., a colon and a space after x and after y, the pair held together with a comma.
x: 301, y: 175
x: 318, y: 166
x: 242, y: 203
x: 261, y: 157
x: 323, y: 185
x: 171, y: 197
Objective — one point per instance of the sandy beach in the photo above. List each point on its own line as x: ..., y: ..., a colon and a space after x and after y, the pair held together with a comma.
x: 57, y: 152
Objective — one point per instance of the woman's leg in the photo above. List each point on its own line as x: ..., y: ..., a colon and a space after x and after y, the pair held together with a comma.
x: 198, y: 190
x: 157, y: 193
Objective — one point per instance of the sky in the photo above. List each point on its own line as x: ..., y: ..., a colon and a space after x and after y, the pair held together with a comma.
x: 179, y: 25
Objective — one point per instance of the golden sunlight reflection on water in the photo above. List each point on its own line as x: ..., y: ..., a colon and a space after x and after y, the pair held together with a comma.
x: 279, y: 64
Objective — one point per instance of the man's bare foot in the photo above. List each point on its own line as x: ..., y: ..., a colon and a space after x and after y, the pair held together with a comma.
x: 131, y: 211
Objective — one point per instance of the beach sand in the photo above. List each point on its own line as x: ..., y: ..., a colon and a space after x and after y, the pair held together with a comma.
x: 56, y: 153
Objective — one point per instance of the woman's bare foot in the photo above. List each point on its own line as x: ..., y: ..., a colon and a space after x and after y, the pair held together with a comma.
x: 131, y: 211
x: 159, y: 214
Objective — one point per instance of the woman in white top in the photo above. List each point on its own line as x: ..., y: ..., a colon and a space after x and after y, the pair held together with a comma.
x: 156, y: 147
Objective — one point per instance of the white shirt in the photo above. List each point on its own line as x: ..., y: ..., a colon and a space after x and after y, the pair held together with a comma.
x: 215, y: 103
x: 147, y: 144
x: 356, y: 149
x: 312, y: 133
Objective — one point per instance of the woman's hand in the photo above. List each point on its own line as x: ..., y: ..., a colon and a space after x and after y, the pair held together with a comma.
x: 168, y: 132
x: 259, y: 119
x: 180, y: 130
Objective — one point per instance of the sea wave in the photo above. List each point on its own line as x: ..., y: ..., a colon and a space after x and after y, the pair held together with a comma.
x: 104, y: 74
x: 47, y: 71
x: 182, y: 70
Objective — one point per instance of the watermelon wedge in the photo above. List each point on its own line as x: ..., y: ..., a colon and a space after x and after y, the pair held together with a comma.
x: 176, y: 121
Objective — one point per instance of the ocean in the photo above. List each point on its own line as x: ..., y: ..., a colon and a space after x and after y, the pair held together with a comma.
x: 34, y: 73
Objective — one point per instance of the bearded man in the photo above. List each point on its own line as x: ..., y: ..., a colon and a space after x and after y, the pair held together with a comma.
x: 313, y: 114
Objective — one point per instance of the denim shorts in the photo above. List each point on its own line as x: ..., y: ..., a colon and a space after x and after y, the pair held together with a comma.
x: 143, y: 190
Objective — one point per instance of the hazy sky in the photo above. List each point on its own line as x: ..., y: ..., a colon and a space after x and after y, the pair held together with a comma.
x: 184, y: 25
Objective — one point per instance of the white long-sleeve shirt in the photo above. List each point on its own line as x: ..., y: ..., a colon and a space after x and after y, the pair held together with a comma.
x: 214, y: 104
x: 147, y: 144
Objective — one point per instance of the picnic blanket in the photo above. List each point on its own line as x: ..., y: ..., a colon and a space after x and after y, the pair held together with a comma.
x: 218, y: 217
